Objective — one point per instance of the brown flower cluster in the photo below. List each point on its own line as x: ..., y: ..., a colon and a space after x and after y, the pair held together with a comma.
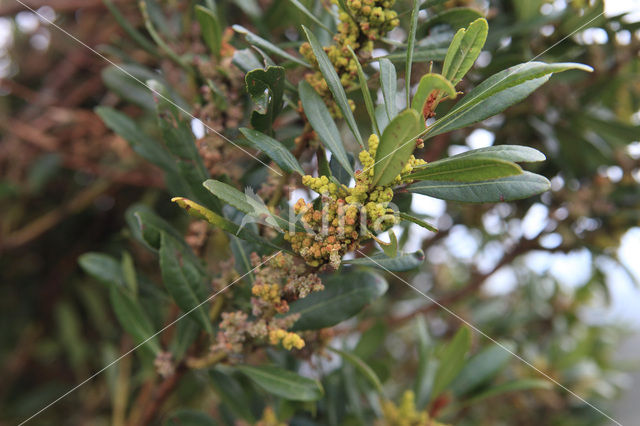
x: 348, y: 215
x: 277, y: 283
x: 222, y: 108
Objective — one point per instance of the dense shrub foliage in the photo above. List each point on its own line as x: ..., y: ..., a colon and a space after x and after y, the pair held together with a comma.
x: 269, y: 259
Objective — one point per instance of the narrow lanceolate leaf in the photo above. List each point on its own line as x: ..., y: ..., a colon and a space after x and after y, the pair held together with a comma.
x: 184, y: 280
x: 361, y: 366
x: 229, y: 195
x: 420, y: 54
x: 451, y: 357
x: 201, y: 212
x: 396, y: 145
x: 133, y: 318
x: 147, y: 227
x: 263, y: 44
x: 466, y: 169
x: 344, y: 296
x: 249, y: 203
x: 126, y: 306
x: 431, y: 88
x: 333, y: 81
x: 389, y: 85
x: 368, y: 102
x: 102, y: 267
x: 210, y: 28
x: 498, y: 92
x: 418, y: 221
x: 482, y: 367
x: 411, y: 40
x: 141, y: 143
x: 512, y: 386
x: 402, y: 262
x: 283, y: 383
x: 492, y: 191
x: 323, y: 124
x: 464, y: 50
x: 274, y: 149
x: 302, y: 8
x: 515, y: 153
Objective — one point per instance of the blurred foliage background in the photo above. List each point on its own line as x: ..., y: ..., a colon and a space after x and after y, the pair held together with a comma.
x: 538, y: 274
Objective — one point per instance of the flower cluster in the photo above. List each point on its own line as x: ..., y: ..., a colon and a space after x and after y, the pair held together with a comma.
x: 364, y: 22
x: 277, y: 283
x: 405, y: 414
x: 221, y: 108
x: 347, y: 215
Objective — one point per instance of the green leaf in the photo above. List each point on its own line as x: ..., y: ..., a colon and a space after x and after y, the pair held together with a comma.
x: 420, y: 54
x: 498, y: 92
x: 383, y: 118
x: 266, y: 86
x: 246, y: 60
x: 132, y: 317
x: 141, y: 143
x: 411, y: 40
x: 513, y: 386
x: 451, y: 361
x: 338, y: 171
x: 430, y: 83
x: 515, y: 153
x: 391, y: 250
x: 466, y: 169
x: 274, y: 149
x: 493, y: 191
x: 147, y: 226
x: 396, y: 145
x: 322, y: 122
x: 417, y: 221
x: 364, y: 87
x: 333, y: 81
x: 129, y: 85
x: 389, y: 86
x: 464, y: 50
x: 102, y: 267
x: 361, y: 366
x: 402, y: 262
x: 129, y: 273
x: 344, y: 296
x: 129, y: 29
x: 481, y: 368
x: 185, y: 335
x: 231, y: 393
x: 427, y: 364
x: 252, y: 206
x: 127, y: 308
x: 201, y: 212
x: 184, y: 281
x: 210, y: 28
x: 261, y: 43
x: 457, y: 17
x: 184, y: 417
x: 302, y: 8
x: 371, y: 341
x: 283, y: 383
